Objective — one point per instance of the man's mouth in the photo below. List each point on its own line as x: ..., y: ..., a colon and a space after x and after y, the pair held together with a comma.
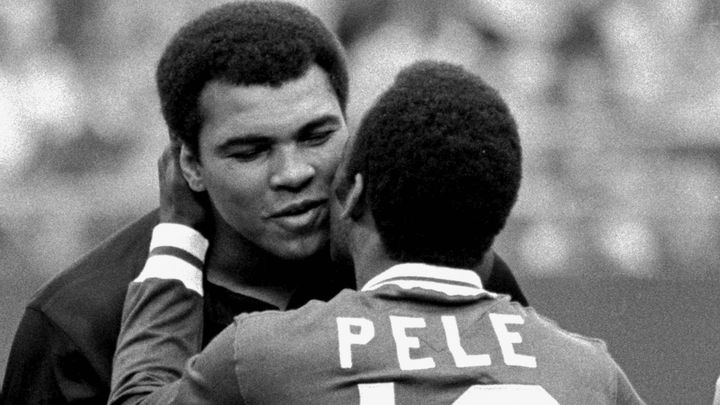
x: 302, y: 216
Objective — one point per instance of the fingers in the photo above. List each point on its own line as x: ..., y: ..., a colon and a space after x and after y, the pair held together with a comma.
x: 169, y: 163
x: 169, y: 171
x: 178, y: 202
x: 170, y: 155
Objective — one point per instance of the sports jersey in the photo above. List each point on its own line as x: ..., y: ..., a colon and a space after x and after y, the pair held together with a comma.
x: 62, y: 350
x: 415, y: 333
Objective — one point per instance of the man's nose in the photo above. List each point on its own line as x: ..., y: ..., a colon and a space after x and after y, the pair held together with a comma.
x: 291, y: 170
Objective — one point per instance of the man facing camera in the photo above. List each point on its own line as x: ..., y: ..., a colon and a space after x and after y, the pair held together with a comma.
x: 424, y: 188
x: 254, y: 95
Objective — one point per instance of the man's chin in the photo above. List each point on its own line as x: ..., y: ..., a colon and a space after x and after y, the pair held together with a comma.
x: 301, y: 248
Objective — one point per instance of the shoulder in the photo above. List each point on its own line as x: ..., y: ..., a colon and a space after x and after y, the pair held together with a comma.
x: 113, y: 261
x: 562, y: 358
x: 584, y: 361
x: 549, y: 328
x: 586, y: 355
x: 546, y: 336
x: 93, y: 288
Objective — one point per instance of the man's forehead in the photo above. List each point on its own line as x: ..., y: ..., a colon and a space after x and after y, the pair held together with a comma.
x: 289, y: 106
x: 313, y: 78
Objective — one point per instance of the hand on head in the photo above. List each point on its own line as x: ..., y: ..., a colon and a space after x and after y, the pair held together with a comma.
x: 178, y: 203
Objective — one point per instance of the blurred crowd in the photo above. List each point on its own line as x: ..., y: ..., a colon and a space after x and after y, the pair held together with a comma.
x: 617, y: 101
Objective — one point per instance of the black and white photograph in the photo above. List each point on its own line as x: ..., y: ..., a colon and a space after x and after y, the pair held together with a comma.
x: 362, y: 202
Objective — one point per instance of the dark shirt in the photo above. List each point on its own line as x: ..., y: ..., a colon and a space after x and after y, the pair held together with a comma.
x: 63, y: 349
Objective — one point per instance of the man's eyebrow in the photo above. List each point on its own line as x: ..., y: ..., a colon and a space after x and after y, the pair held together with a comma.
x: 327, y: 119
x: 243, y: 140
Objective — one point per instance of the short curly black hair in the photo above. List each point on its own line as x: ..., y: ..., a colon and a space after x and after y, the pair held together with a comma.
x: 243, y: 43
x: 441, y: 159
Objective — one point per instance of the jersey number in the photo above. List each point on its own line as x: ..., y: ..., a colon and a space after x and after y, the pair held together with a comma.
x: 492, y: 394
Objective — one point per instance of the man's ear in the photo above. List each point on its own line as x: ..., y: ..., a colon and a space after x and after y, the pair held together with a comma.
x: 354, y: 205
x: 191, y: 170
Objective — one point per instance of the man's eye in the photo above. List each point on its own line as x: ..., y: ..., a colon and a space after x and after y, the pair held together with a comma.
x: 318, y: 137
x: 247, y: 154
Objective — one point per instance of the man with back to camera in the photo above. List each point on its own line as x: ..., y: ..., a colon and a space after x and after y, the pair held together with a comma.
x: 255, y: 95
x: 423, y: 328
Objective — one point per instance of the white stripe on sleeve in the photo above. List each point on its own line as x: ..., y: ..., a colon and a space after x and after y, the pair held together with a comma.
x: 171, y: 267
x: 179, y: 236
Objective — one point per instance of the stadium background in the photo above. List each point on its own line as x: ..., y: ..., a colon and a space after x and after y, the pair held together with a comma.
x: 617, y: 230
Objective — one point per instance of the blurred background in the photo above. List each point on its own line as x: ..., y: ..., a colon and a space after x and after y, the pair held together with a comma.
x: 617, y: 230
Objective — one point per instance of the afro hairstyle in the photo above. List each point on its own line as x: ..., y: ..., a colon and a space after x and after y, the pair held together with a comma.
x: 243, y: 43
x: 440, y: 155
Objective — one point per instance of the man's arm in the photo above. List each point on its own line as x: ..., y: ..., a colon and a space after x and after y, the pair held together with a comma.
x: 161, y: 331
x: 162, y: 319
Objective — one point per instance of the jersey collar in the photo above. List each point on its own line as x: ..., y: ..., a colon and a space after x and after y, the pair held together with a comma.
x: 446, y: 280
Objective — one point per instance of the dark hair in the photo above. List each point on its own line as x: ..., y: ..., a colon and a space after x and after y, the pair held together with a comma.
x: 243, y: 43
x: 441, y: 159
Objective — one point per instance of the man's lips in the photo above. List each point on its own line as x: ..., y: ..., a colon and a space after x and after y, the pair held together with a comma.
x: 302, y: 216
x: 298, y: 208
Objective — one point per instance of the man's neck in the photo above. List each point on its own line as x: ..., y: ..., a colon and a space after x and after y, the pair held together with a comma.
x: 240, y: 266
x: 370, y: 259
